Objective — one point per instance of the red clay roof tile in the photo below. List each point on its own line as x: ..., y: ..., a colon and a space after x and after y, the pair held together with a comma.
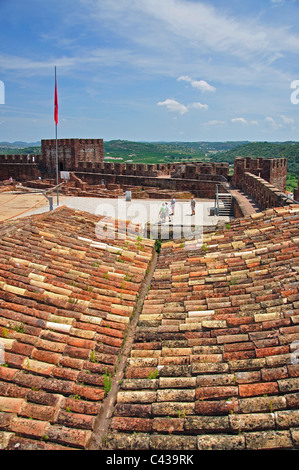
x: 55, y: 300
x: 214, y: 350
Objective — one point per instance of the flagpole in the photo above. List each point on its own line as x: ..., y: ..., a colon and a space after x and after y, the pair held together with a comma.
x: 56, y: 122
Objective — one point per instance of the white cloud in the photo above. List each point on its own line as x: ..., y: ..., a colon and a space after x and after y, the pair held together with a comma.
x: 198, y: 106
x: 244, y: 121
x: 286, y: 120
x: 200, y: 24
x: 215, y: 122
x: 239, y: 119
x: 201, y: 85
x: 174, y: 106
x: 271, y: 121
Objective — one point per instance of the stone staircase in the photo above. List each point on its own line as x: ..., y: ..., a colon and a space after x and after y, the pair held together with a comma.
x: 224, y: 204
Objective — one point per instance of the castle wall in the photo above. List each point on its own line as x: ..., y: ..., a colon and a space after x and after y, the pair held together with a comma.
x: 263, y: 192
x: 199, y: 177
x: 197, y: 169
x: 20, y: 167
x: 263, y: 179
x: 273, y: 170
x: 204, y: 188
x: 70, y: 153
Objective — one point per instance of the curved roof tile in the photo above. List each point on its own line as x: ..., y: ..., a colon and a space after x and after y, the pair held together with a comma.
x: 65, y: 302
x: 215, y: 363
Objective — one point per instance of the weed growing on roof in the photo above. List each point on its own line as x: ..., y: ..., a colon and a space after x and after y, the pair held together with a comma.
x: 5, y: 333
x: 158, y: 246
x: 106, y: 276
x: 93, y: 357
x: 154, y: 374
x: 19, y: 328
x: 107, y: 381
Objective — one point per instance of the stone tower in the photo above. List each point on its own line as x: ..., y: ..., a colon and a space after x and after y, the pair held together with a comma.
x: 70, y: 153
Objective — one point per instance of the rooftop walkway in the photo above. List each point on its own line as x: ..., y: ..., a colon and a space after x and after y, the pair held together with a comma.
x: 245, y: 202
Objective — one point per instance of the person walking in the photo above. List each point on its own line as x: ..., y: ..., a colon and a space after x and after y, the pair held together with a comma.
x: 162, y: 212
x: 172, y: 205
x: 193, y: 205
x: 167, y: 210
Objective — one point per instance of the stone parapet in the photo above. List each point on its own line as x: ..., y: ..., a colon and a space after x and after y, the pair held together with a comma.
x: 264, y: 193
x: 273, y: 170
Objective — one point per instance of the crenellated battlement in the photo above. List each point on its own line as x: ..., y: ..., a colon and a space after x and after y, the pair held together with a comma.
x: 21, y: 159
x: 171, y: 170
x: 262, y: 178
x: 273, y: 170
x: 70, y: 153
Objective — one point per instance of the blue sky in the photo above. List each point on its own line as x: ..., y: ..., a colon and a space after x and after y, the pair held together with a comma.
x: 150, y: 70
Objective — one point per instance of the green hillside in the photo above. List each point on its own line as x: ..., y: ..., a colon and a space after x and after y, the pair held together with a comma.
x: 289, y: 150
x: 18, y: 150
x: 161, y: 152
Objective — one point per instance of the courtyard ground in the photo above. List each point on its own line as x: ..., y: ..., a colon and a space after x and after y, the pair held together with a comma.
x: 13, y: 205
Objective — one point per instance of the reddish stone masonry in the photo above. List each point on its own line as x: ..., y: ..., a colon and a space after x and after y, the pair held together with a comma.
x: 263, y: 179
x: 212, y: 366
x: 273, y: 170
x: 85, y: 157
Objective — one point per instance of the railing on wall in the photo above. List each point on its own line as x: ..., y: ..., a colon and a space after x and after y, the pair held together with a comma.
x: 223, y: 203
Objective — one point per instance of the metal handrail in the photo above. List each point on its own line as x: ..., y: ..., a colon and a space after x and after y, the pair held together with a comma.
x: 290, y: 198
x: 44, y: 193
x: 217, y: 201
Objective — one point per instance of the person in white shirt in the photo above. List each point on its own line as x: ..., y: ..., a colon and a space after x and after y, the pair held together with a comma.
x: 193, y: 205
x: 167, y: 210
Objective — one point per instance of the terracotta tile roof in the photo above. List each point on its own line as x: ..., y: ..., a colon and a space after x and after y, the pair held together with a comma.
x: 66, y: 299
x: 214, y: 364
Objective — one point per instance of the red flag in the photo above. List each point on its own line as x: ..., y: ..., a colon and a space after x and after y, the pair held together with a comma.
x: 56, y: 102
